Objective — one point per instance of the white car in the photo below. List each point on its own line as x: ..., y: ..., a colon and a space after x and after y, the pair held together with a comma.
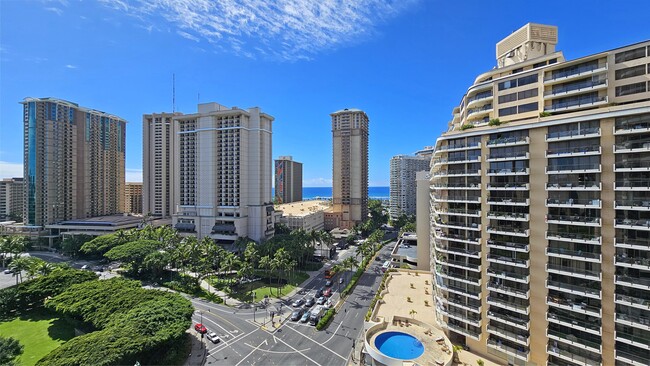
x: 213, y: 337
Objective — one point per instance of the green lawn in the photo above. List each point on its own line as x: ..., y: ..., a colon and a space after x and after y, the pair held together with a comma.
x: 39, y: 332
x: 262, y: 288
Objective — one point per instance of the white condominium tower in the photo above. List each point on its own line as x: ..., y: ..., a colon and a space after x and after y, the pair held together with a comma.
x: 402, y: 183
x: 541, y: 207
x: 222, y: 173
x: 157, y: 164
x: 74, y: 162
x: 350, y: 167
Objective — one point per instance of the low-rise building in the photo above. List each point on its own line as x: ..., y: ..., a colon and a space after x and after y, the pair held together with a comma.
x: 405, y: 251
x: 306, y: 215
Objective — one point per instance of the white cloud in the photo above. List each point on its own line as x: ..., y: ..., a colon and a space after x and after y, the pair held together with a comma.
x: 188, y: 36
x: 68, y: 66
x: 10, y: 170
x: 58, y: 11
x: 285, y: 29
x: 134, y: 175
x: 317, y: 182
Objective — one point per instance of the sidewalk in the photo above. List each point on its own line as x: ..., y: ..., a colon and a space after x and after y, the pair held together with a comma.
x: 198, y: 352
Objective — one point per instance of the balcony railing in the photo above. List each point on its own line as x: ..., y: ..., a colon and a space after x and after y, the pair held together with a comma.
x: 507, y: 171
x: 507, y: 245
x: 479, y: 97
x: 632, y: 126
x: 633, y: 164
x: 637, y: 359
x: 574, y: 71
x: 577, y: 356
x: 487, y: 107
x: 574, y: 254
x: 573, y: 236
x: 463, y: 330
x: 512, y: 291
x: 634, y: 204
x: 631, y: 145
x: 574, y: 340
x: 517, y: 201
x: 632, y: 261
x: 578, y: 168
x: 508, y: 141
x: 574, y: 219
x: 457, y: 186
x: 573, y: 271
x: 521, y: 353
x: 457, y: 302
x: 508, y: 275
x: 508, y: 186
x: 589, y: 85
x: 595, y: 203
x: 633, y: 183
x: 634, y: 301
x: 576, y: 102
x: 573, y: 133
x: 508, y: 215
x: 512, y: 156
x: 453, y: 263
x: 642, y: 342
x: 574, y: 289
x: 643, y: 224
x: 572, y: 151
x: 508, y: 230
x: 628, y: 318
x: 633, y: 281
x: 523, y: 263
x: 524, y: 309
x: 521, y: 338
x: 597, y: 186
x: 573, y: 305
x: 574, y: 322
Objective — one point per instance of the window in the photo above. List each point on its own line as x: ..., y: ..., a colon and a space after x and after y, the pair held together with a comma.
x: 508, y: 98
x: 527, y: 94
x: 527, y: 80
x: 507, y: 84
x: 507, y: 111
x: 630, y: 72
x: 630, y: 89
x: 516, y: 71
x: 528, y: 107
x: 552, y: 61
x: 629, y: 55
x: 539, y: 64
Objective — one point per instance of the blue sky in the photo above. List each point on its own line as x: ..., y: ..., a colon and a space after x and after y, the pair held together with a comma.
x: 406, y: 63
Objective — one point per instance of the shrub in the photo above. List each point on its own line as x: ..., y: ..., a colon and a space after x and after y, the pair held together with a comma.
x: 10, y: 348
x: 466, y: 127
x: 325, y: 320
x: 545, y: 114
x: 494, y: 122
x: 408, y: 298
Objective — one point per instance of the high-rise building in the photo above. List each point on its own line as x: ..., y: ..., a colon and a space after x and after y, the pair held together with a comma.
x: 11, y: 199
x: 133, y: 198
x: 74, y: 162
x: 403, y: 185
x: 541, y: 207
x: 157, y: 164
x: 350, y: 167
x: 288, y: 180
x: 223, y: 173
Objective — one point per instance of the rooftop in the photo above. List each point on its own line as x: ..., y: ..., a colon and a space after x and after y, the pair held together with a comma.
x: 303, y: 208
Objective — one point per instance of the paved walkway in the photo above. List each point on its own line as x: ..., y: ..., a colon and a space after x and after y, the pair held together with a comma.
x: 198, y: 352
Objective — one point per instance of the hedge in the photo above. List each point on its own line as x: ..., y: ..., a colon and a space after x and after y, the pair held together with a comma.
x: 325, y: 320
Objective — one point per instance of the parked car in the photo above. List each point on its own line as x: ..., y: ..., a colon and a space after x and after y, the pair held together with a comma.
x: 328, y: 292
x: 378, y: 259
x: 321, y: 300
x: 341, y: 280
x: 213, y: 337
x: 85, y: 266
x: 319, y: 292
x: 297, y: 314
x: 8, y: 271
x: 310, y: 302
x: 328, y: 283
x: 200, y: 328
x: 305, y: 317
x: 298, y: 303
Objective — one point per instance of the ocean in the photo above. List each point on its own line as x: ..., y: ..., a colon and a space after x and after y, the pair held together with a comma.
x: 326, y: 192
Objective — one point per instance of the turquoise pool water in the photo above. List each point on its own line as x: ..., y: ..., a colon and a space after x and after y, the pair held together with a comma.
x: 399, y: 345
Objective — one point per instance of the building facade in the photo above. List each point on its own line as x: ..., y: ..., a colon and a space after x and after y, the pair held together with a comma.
x: 540, y: 207
x: 350, y: 166
x: 223, y: 170
x: 157, y: 164
x: 74, y: 162
x: 403, y: 184
x: 288, y: 180
x: 133, y: 198
x: 306, y: 215
x: 11, y: 199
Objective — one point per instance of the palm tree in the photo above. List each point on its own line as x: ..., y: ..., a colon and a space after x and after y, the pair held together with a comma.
x: 265, y: 264
x: 45, y: 268
x: 18, y: 265
x: 412, y: 313
x: 4, y: 249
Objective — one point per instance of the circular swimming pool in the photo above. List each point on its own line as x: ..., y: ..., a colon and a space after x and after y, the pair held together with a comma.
x: 399, y: 345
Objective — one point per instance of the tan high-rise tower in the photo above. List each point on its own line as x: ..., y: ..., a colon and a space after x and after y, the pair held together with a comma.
x: 350, y: 166
x: 157, y: 164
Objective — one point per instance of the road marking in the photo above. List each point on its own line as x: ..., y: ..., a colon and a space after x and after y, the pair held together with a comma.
x: 205, y: 318
x: 275, y: 340
x: 251, y: 352
x: 333, y: 334
x: 327, y: 348
x: 300, y: 352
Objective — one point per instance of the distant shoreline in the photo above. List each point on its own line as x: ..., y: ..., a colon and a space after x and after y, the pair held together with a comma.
x: 326, y: 192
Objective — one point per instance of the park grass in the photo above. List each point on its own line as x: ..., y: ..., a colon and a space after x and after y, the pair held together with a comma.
x: 40, y: 332
x: 261, y: 288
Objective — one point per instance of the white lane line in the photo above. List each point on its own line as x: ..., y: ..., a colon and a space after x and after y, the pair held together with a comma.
x: 333, y: 334
x: 253, y: 350
x: 234, y: 340
x: 327, y: 348
x: 300, y: 352
x: 206, y: 319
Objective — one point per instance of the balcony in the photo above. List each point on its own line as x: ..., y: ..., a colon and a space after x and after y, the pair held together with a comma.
x: 444, y: 273
x: 592, y: 186
x: 574, y: 272
x: 519, y: 338
x: 473, y: 159
x: 507, y: 290
x: 634, y: 282
x: 637, y: 205
x: 634, y: 127
x: 457, y: 212
x: 573, y: 220
x: 571, y: 322
x: 508, y: 230
x: 573, y: 340
x: 637, y: 321
x: 458, y: 147
x: 635, y: 302
x: 479, y: 98
x: 632, y: 146
x: 517, y: 247
x: 520, y: 353
x: 573, y: 237
x: 459, y: 291
x: 632, y: 262
x: 457, y: 173
x: 474, y: 320
x: 508, y: 171
x: 463, y: 305
x: 511, y: 216
x: 576, y: 104
x: 509, y: 186
x: 463, y: 186
x: 582, y: 133
x: 506, y: 275
x: 632, y: 166
x: 458, y: 264
x: 506, y: 157
x: 574, y: 289
x: 458, y: 225
x: 576, y: 88
x: 575, y: 73
x: 575, y: 306
x: 574, y: 255
x: 574, y: 151
x: 480, y: 111
x: 437, y: 198
x: 632, y: 224
x: 509, y: 305
x: 577, y: 203
x: 634, y: 340
x: 508, y: 141
x: 632, y: 185
x: 583, y: 359
x: 577, y: 168
x: 510, y: 261
x: 512, y: 201
x: 457, y: 251
x: 632, y: 358
x: 463, y: 331
x: 457, y: 238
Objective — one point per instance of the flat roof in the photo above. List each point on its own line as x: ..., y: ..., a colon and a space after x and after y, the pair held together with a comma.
x: 111, y: 220
x: 303, y: 208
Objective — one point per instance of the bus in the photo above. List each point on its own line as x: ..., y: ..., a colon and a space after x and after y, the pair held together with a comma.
x: 385, y: 266
x: 329, y: 274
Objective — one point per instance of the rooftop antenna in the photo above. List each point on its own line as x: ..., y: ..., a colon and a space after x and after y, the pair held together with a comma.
x: 173, y: 93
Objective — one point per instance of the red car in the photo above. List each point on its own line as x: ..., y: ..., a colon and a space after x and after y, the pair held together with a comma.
x: 327, y: 292
x: 200, y: 328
